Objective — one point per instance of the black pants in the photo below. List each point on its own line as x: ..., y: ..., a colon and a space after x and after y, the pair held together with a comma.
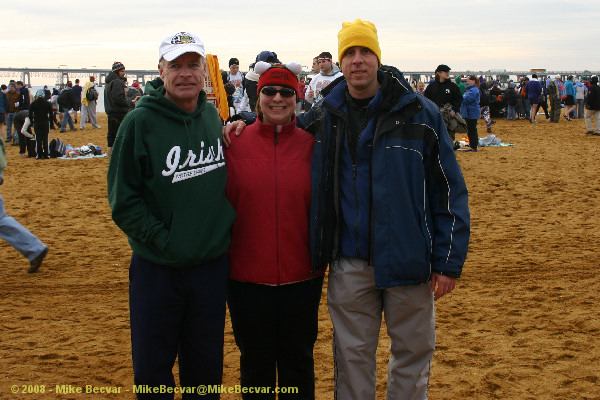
x: 114, y: 122
x: 544, y: 106
x: 26, y: 145
x: 275, y: 328
x: 41, y: 139
x: 472, y: 132
x: 177, y: 312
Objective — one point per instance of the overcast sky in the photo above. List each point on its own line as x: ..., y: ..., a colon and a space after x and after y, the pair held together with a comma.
x: 413, y: 35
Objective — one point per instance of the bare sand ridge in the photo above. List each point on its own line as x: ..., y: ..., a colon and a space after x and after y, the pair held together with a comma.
x: 522, y: 324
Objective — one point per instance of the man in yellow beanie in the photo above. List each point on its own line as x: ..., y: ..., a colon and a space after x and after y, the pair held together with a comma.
x: 389, y: 214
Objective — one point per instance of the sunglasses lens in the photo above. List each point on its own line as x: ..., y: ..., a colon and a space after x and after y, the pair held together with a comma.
x: 285, y: 92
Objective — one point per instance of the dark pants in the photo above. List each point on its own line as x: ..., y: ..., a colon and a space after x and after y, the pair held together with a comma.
x: 177, y: 312
x: 275, y: 328
x: 114, y: 122
x: 472, y: 132
x: 544, y: 106
x: 26, y: 145
x: 41, y: 139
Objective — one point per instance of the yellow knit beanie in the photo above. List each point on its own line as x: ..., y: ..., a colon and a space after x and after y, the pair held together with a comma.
x: 358, y: 33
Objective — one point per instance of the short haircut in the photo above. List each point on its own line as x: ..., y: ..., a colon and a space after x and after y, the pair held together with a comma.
x: 325, y: 54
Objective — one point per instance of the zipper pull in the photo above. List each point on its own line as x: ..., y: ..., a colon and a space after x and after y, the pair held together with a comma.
x: 276, y: 141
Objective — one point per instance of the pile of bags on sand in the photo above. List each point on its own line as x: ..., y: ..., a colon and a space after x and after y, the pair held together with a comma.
x: 89, y: 149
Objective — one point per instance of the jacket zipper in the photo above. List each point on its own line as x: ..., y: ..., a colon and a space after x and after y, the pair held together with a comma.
x: 276, y: 207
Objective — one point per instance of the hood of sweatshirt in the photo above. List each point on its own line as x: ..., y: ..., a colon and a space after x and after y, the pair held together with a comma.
x: 158, y: 103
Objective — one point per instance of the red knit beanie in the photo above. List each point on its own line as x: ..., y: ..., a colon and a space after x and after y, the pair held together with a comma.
x: 277, y: 75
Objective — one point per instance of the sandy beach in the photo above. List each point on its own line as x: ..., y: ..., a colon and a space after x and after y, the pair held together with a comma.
x: 523, y: 322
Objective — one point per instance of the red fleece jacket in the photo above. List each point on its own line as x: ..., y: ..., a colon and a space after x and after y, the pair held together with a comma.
x: 268, y: 184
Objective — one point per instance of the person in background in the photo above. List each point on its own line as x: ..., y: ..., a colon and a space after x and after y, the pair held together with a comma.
x: 461, y: 86
x: 555, y: 100
x: 236, y: 78
x: 315, y: 65
x: 273, y: 293
x: 471, y: 111
x: 76, y: 99
x: 328, y: 73
x: 16, y: 234
x: 25, y: 99
x: 40, y: 114
x: 115, y: 103
x: 484, y: 102
x: 26, y: 136
x: 533, y: 89
x: 421, y: 88
x: 580, y: 93
x: 88, y: 106
x: 13, y: 97
x: 445, y: 94
x: 570, y: 99
x: 593, y: 107
x: 134, y: 92
x: 66, y: 100
x: 3, y: 108
x: 55, y: 107
x: 511, y: 98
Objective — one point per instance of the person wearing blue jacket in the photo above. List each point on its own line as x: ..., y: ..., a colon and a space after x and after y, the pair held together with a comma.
x: 533, y: 88
x: 570, y: 99
x: 389, y: 214
x: 471, y: 111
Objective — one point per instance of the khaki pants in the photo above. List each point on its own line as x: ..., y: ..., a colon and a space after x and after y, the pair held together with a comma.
x: 588, y: 120
x: 356, y: 309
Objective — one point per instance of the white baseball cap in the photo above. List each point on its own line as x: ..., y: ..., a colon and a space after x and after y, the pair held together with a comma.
x: 183, y: 42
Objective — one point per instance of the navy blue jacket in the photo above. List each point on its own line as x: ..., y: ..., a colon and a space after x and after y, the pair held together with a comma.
x: 418, y: 220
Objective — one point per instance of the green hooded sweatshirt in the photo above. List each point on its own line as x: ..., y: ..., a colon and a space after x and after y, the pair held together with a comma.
x: 166, y: 182
x: 460, y: 85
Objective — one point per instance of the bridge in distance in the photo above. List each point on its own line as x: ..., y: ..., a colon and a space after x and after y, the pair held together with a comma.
x: 62, y: 75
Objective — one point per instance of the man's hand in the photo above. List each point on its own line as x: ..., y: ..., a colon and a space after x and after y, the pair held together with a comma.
x: 238, y: 126
x: 445, y: 285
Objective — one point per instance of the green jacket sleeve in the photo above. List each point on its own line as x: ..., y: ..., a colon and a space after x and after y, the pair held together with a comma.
x: 125, y: 184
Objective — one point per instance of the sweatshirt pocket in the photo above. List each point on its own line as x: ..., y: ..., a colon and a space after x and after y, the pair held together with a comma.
x: 200, y: 233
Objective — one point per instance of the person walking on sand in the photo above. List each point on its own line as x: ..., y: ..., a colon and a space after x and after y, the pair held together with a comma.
x: 570, y: 99
x: 593, y: 107
x: 166, y: 189
x: 88, y: 104
x: 16, y: 234
x: 533, y: 89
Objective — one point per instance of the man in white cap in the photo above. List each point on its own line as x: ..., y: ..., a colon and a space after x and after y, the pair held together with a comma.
x: 166, y: 189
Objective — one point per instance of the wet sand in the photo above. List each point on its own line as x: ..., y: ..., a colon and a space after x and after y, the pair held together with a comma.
x: 522, y: 324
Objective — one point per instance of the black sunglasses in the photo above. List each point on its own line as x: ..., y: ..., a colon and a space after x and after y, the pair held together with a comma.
x: 271, y: 91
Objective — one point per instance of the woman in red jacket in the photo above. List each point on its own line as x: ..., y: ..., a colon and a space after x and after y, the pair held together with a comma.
x: 273, y: 293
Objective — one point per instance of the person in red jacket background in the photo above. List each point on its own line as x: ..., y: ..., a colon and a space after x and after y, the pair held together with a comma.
x: 273, y: 292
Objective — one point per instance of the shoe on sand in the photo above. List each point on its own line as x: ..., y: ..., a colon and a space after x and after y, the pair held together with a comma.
x: 36, y: 263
